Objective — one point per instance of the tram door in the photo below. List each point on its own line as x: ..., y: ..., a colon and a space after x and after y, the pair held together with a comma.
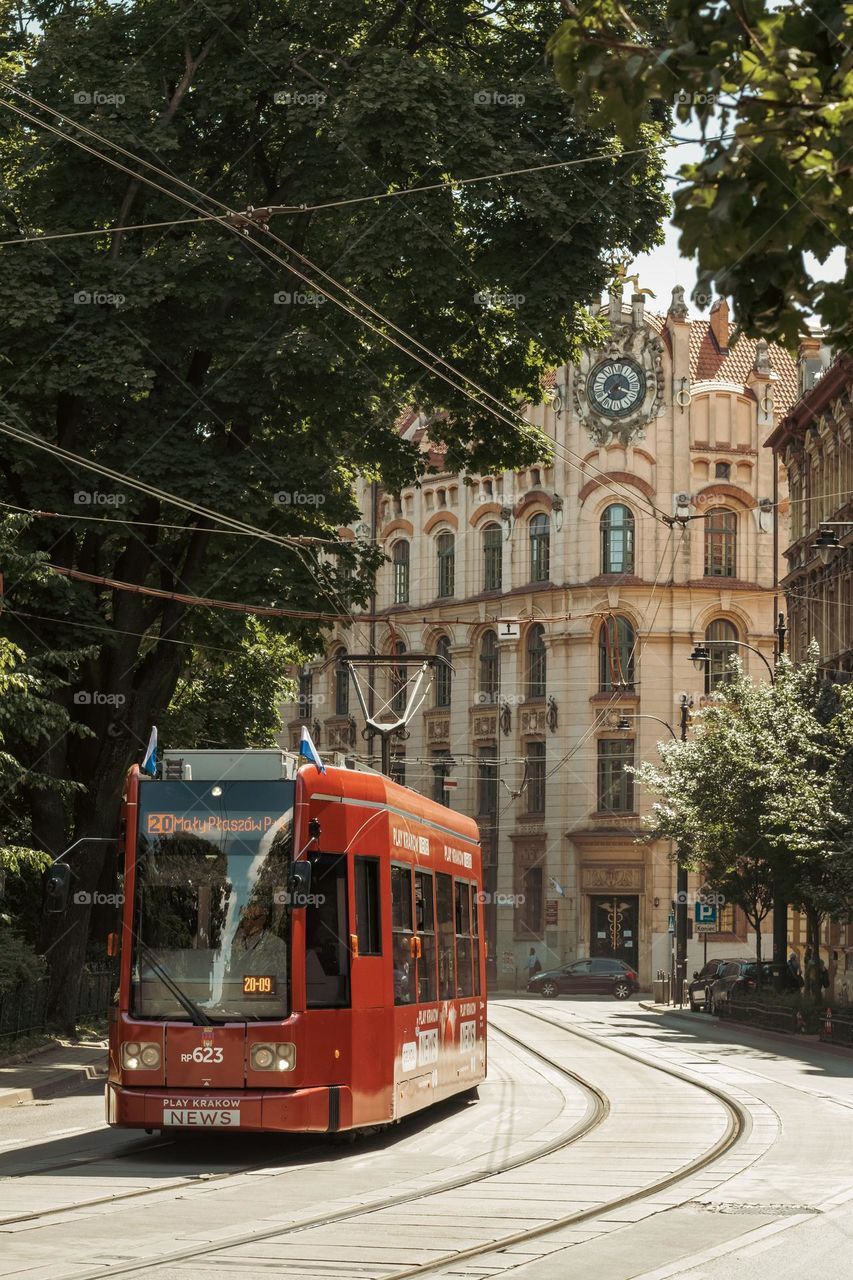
x: 613, y: 927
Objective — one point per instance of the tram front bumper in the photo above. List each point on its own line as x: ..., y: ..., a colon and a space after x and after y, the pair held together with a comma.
x: 317, y: 1109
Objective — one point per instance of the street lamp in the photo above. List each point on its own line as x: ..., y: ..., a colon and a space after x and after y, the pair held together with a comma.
x: 827, y: 539
x: 701, y: 655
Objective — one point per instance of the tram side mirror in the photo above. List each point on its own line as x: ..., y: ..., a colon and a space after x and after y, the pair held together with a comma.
x: 57, y: 886
x: 299, y: 883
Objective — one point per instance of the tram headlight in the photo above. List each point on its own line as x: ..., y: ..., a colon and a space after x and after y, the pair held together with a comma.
x: 140, y: 1057
x: 273, y: 1057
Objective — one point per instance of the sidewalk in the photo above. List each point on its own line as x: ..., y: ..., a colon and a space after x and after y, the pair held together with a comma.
x: 707, y: 1021
x: 52, y: 1071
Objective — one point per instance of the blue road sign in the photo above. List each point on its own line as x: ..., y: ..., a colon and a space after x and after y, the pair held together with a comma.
x: 705, y: 912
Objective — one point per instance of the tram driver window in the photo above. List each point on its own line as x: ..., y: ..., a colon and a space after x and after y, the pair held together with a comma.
x: 463, y: 938
x: 326, y: 934
x: 401, y: 925
x: 446, y: 953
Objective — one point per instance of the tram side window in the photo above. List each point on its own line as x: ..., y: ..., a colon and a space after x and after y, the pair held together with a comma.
x: 367, y: 907
x: 475, y: 933
x: 401, y: 925
x: 464, y: 949
x: 425, y: 922
x: 446, y: 953
x: 326, y: 934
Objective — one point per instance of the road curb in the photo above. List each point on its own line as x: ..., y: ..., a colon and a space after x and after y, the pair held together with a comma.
x: 61, y: 1079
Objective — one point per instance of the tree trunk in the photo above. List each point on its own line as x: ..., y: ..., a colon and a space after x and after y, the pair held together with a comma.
x: 813, y: 921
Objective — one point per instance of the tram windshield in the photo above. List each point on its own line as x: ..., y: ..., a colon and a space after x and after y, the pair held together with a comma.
x: 211, y: 924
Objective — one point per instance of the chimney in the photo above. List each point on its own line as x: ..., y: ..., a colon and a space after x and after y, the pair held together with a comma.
x: 720, y: 323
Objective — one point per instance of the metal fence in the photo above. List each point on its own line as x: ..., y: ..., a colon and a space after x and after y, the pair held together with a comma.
x: 23, y: 1010
x: 836, y: 1028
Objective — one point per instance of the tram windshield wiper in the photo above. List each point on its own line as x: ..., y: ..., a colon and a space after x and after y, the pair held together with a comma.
x: 198, y: 1016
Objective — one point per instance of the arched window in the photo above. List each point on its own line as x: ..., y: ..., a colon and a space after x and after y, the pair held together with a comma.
x: 718, y: 637
x: 400, y: 556
x: 616, y: 642
x: 445, y: 551
x: 341, y: 682
x: 536, y: 662
x: 443, y: 673
x: 490, y: 668
x: 721, y: 544
x: 492, y: 553
x: 398, y: 681
x: 617, y: 539
x: 540, y: 548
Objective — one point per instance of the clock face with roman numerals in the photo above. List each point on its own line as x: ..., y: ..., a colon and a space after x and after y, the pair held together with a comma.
x: 616, y: 387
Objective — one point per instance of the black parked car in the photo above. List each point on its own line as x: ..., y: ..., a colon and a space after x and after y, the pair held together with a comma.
x: 598, y: 976
x: 702, y: 979
x: 741, y: 978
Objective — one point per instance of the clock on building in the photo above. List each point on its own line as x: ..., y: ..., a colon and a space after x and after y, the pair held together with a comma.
x: 616, y: 386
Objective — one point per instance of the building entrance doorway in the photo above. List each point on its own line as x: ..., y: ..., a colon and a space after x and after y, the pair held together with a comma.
x: 613, y: 927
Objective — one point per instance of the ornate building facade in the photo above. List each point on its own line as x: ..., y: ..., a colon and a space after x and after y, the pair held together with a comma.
x: 815, y: 443
x: 566, y: 608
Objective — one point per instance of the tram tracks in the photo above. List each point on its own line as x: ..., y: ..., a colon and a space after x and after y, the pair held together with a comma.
x: 596, y: 1111
x: 328, y: 1226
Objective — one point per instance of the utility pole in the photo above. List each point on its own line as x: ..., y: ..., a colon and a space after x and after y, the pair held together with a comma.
x: 681, y: 889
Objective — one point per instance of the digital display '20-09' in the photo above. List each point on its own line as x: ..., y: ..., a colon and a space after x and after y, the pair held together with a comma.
x: 259, y: 984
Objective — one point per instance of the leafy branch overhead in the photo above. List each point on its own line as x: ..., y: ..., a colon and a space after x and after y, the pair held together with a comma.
x: 771, y: 87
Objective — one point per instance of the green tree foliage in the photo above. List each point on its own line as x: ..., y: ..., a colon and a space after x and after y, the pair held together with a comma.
x: 232, y: 701
x: 181, y: 356
x: 761, y: 796
x: 771, y: 85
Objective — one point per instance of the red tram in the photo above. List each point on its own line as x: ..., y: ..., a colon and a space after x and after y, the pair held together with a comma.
x: 299, y: 950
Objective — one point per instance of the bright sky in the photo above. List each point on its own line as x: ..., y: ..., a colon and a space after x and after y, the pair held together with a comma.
x: 664, y: 267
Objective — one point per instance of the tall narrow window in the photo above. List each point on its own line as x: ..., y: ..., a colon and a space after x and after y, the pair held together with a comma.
x: 718, y: 638
x: 443, y: 673
x: 445, y: 552
x: 341, y: 684
x: 401, y: 572
x: 490, y: 668
x: 721, y: 544
x: 446, y: 934
x: 306, y: 690
x: 367, y: 922
x: 536, y: 778
x: 440, y: 770
x: 616, y: 644
x: 425, y: 925
x: 531, y: 907
x: 487, y: 785
x: 464, y: 950
x: 615, y: 784
x: 536, y: 662
x: 399, y: 695
x: 492, y: 555
x: 540, y: 548
x: 401, y: 926
x: 475, y: 932
x: 617, y: 539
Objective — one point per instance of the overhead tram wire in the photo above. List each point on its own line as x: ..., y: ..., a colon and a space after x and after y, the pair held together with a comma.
x: 232, y: 525
x: 228, y: 218
x: 282, y: 209
x: 155, y: 524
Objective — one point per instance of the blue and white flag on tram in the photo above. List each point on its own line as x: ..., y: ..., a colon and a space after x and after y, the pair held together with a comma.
x: 149, y: 764
x: 308, y: 750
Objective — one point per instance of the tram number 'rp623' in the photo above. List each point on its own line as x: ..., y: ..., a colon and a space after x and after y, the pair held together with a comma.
x: 259, y: 984
x: 203, y: 1053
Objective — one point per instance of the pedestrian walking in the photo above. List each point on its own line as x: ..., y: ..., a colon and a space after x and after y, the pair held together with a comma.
x: 533, y: 965
x: 794, y: 964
